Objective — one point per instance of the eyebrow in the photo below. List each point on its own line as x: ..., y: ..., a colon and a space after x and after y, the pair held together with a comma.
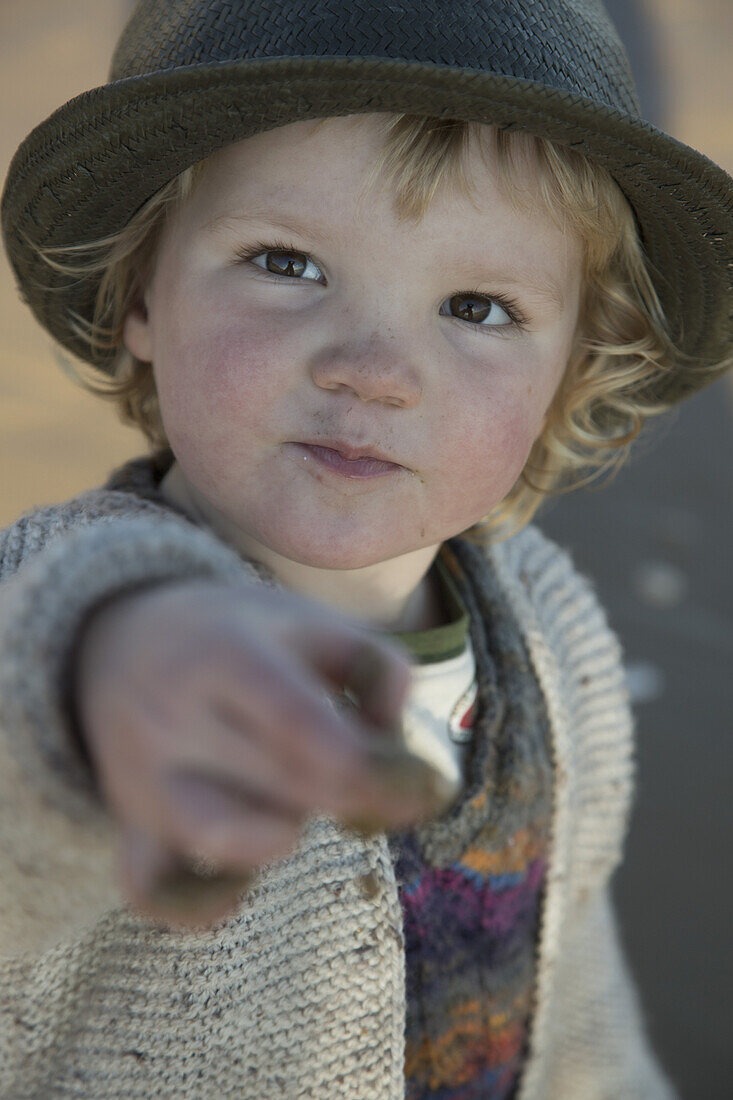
x: 288, y: 224
x: 544, y: 285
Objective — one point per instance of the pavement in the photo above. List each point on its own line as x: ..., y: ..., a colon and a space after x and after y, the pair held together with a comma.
x: 656, y: 542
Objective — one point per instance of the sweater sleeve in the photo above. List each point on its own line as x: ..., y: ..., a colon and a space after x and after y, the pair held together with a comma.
x: 57, y: 840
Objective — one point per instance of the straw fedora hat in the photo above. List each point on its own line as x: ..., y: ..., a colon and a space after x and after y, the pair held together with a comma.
x: 190, y: 76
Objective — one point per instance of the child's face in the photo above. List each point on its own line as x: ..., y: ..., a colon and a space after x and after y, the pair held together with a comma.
x: 359, y: 345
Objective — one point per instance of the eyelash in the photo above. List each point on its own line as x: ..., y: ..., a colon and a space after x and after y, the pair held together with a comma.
x: 518, y: 320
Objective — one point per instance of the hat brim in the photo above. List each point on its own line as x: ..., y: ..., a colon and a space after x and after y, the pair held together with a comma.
x: 84, y: 172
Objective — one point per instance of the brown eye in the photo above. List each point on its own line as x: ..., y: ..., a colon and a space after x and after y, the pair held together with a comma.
x: 469, y: 308
x: 283, y: 261
x: 477, y: 307
x: 286, y: 263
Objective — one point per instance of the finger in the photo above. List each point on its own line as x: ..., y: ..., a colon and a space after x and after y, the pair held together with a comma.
x: 331, y: 780
x: 334, y: 753
x: 242, y: 831
x: 224, y: 748
x: 151, y: 876
x: 253, y: 773
x: 375, y: 673
x: 212, y: 819
x: 390, y: 784
x: 277, y: 701
x: 140, y: 859
x: 330, y: 755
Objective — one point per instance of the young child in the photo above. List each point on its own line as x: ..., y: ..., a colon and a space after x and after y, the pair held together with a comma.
x: 373, y: 280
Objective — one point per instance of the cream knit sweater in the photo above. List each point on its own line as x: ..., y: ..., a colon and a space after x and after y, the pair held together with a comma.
x: 302, y: 994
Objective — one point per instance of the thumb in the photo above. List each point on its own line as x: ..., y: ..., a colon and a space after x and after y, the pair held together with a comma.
x: 187, y: 895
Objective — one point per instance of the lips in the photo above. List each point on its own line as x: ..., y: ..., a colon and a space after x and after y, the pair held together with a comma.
x: 349, y: 452
x: 334, y: 462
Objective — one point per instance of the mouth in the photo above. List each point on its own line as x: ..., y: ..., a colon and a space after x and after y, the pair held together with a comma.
x: 346, y: 461
x: 352, y: 454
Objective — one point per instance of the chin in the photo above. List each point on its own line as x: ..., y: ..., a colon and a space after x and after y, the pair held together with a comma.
x: 335, y: 553
x: 331, y: 557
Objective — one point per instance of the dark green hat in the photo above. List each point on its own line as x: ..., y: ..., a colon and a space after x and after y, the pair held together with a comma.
x: 190, y: 76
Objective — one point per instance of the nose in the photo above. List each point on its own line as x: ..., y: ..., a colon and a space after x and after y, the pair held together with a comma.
x: 371, y: 369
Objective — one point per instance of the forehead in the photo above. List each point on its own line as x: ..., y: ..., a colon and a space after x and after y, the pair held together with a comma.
x: 337, y: 157
x: 315, y: 180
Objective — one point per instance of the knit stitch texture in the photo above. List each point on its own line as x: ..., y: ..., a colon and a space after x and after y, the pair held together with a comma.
x: 303, y: 993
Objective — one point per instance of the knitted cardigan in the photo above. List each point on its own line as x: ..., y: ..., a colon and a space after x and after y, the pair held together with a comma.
x: 303, y: 993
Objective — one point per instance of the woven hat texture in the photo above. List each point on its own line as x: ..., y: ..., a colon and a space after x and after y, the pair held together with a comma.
x: 190, y: 76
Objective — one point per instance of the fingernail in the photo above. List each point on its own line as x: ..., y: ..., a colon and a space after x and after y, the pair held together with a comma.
x: 185, y: 891
x: 365, y: 674
x: 411, y: 775
x: 367, y: 825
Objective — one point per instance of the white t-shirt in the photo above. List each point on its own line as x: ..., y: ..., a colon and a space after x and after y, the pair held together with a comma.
x: 438, y: 716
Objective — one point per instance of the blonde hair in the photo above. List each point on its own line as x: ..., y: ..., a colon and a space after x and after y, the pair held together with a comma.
x: 622, y: 345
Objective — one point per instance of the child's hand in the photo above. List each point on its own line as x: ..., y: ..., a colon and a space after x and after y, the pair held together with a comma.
x: 206, y: 713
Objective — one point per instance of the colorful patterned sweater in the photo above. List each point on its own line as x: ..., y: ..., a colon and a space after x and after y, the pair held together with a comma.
x: 470, y: 889
x: 316, y: 988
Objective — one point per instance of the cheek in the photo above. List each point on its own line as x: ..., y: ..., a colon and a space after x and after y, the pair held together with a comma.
x: 227, y: 377
x: 491, y: 439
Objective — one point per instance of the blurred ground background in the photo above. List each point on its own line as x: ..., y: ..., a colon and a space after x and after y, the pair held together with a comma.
x: 657, y: 541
